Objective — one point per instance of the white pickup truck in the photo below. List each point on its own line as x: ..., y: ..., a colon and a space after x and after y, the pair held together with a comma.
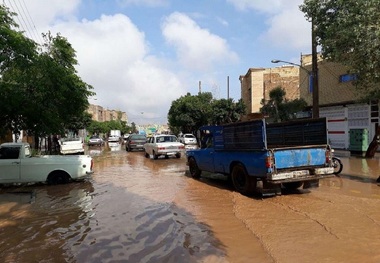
x: 17, y: 165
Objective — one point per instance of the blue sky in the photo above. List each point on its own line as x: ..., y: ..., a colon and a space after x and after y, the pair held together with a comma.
x: 140, y: 55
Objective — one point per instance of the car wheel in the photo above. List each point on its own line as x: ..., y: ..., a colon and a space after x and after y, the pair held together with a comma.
x: 194, y: 169
x: 243, y: 183
x: 58, y: 177
x: 146, y: 155
x: 178, y: 155
x: 155, y: 156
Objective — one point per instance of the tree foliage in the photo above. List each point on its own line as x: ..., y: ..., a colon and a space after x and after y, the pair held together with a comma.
x: 348, y: 32
x: 279, y: 109
x: 39, y: 87
x: 190, y: 112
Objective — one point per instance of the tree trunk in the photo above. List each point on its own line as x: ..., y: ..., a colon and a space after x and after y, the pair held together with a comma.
x: 374, y: 145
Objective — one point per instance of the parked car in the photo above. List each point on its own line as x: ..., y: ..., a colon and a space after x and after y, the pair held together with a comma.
x: 163, y: 145
x: 95, y: 140
x: 135, y: 142
x: 17, y: 165
x: 189, y: 140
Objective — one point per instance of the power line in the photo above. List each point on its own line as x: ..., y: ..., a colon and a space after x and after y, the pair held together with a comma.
x: 24, y: 20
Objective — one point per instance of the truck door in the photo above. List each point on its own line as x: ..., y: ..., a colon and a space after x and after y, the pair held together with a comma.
x: 9, y: 165
x: 207, y: 154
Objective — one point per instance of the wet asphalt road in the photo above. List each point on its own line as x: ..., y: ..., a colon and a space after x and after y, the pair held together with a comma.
x: 136, y: 209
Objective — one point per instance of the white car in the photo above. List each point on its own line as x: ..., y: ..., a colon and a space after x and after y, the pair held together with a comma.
x: 163, y: 145
x: 189, y: 140
x: 17, y: 165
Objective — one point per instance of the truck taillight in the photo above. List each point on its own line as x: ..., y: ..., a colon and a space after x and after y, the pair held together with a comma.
x: 269, y: 162
x: 182, y: 147
x: 328, y: 156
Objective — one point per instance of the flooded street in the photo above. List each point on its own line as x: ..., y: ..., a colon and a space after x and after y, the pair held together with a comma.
x: 136, y: 209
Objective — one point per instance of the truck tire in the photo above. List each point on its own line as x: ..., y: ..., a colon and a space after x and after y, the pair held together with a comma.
x: 146, y: 155
x: 155, y: 156
x: 194, y: 169
x: 178, y: 155
x: 243, y: 183
x: 58, y: 177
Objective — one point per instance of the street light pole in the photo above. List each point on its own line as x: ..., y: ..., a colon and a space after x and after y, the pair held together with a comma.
x: 315, y: 72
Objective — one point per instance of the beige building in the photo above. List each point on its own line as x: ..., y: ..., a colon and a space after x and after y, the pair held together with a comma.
x: 338, y: 98
x: 100, y: 114
x: 258, y: 82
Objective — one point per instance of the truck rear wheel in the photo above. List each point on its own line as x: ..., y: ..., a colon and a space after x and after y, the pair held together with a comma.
x: 194, y: 169
x: 58, y: 177
x: 243, y: 183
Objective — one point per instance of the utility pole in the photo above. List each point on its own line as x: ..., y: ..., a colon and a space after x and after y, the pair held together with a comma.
x: 228, y: 87
x: 199, y: 87
x: 314, y: 58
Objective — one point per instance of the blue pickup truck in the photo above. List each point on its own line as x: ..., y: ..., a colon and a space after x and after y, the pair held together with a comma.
x: 254, y: 153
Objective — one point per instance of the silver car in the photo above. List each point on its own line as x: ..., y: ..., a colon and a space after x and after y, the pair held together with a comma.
x: 95, y: 140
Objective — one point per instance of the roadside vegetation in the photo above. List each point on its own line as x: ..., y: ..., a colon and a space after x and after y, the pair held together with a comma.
x: 278, y: 108
x: 40, y: 90
x: 190, y: 112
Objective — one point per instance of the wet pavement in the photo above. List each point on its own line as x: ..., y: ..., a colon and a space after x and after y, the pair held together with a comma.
x: 136, y: 209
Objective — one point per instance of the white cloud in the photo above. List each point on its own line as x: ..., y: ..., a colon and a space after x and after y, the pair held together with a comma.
x: 114, y: 58
x: 196, y: 48
x: 287, y: 28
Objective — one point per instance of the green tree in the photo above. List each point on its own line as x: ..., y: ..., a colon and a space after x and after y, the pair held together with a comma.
x: 227, y: 111
x: 348, y: 32
x: 41, y: 91
x: 189, y: 112
x: 17, y: 54
x: 278, y: 108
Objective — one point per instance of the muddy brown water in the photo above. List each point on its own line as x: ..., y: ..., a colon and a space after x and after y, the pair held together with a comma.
x: 136, y: 209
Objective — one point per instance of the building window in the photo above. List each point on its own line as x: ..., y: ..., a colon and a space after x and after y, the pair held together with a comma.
x: 347, y: 77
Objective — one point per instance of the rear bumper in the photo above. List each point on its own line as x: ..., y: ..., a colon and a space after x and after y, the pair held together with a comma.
x: 301, y: 175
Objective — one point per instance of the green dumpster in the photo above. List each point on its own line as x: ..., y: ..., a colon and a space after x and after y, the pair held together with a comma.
x: 358, y: 140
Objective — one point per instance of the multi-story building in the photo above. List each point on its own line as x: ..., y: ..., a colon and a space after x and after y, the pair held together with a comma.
x: 257, y: 83
x: 100, y: 114
x: 347, y: 117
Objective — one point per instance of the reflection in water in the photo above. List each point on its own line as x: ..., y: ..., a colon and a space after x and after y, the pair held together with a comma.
x: 114, y: 146
x: 357, y: 178
x: 120, y: 214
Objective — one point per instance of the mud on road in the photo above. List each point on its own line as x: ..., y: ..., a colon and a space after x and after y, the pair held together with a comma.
x: 136, y: 209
